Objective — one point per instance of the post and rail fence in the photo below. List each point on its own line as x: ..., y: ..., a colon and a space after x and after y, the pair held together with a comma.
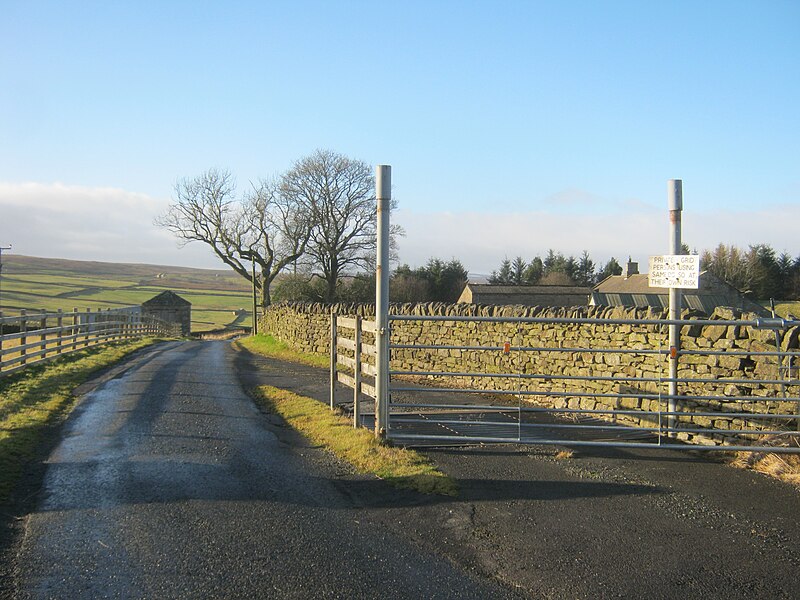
x: 352, y: 359
x: 34, y: 337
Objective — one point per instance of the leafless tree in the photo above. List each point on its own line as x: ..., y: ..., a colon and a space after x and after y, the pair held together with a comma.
x: 339, y: 192
x: 264, y: 226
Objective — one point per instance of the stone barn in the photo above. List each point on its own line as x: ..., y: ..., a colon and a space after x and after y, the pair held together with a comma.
x: 632, y: 289
x: 525, y: 295
x: 170, y: 307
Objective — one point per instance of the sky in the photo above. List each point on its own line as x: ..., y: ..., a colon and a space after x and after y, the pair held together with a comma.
x: 512, y: 127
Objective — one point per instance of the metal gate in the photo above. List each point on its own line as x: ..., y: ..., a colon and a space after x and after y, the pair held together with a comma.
x: 537, y: 381
x: 573, y: 380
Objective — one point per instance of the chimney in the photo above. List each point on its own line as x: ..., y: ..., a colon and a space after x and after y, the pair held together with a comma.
x: 631, y: 268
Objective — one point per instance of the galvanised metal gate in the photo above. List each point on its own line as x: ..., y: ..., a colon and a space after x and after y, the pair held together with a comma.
x: 594, y: 382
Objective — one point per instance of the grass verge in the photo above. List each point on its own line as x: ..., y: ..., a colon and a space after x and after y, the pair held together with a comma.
x: 40, y: 396
x: 400, y: 467
x: 267, y: 345
x: 785, y: 467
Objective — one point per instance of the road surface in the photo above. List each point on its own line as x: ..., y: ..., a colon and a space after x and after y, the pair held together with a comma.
x: 169, y: 483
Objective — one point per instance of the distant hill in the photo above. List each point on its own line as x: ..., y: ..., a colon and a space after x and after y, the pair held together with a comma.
x: 219, y: 298
x: 142, y: 274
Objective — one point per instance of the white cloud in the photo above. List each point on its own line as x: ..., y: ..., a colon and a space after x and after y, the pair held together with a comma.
x: 85, y: 223
x: 482, y: 239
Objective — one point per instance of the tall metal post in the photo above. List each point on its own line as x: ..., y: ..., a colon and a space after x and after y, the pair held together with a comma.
x: 383, y: 195
x: 675, y: 204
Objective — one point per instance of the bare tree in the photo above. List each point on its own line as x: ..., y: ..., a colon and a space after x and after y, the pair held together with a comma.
x: 264, y: 226
x: 339, y: 193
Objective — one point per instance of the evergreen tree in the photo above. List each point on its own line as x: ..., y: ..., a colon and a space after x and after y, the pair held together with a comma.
x: 785, y: 266
x: 552, y: 261
x: 585, y: 274
x: 533, y: 272
x: 503, y: 276
x: 437, y: 281
x: 446, y: 279
x: 612, y: 267
x: 571, y: 268
x: 518, y: 271
x: 758, y: 270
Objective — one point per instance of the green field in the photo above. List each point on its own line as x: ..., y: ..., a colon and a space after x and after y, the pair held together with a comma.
x: 219, y: 298
x: 784, y: 309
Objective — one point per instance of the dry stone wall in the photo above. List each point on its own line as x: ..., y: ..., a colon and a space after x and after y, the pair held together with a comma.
x: 598, y: 355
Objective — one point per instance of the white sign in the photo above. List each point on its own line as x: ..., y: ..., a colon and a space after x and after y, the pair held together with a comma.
x: 674, y: 271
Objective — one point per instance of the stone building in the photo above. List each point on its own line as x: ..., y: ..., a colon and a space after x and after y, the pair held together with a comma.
x: 525, y: 295
x: 631, y: 289
x: 170, y: 307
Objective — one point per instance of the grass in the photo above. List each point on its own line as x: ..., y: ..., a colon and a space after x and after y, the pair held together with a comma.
x: 40, y: 397
x: 49, y: 284
x: 785, y: 467
x: 266, y: 345
x: 784, y: 309
x: 399, y: 467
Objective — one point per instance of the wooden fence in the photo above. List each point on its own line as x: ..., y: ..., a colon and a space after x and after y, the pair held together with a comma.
x: 360, y: 359
x: 34, y: 337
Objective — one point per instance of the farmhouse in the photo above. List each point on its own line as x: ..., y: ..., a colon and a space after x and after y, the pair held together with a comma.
x: 170, y: 307
x: 631, y: 289
x: 525, y: 295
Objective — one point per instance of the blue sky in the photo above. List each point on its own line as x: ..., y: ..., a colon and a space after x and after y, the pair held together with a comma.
x: 512, y: 127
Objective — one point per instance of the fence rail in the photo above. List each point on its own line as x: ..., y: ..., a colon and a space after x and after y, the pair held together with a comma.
x: 34, y: 337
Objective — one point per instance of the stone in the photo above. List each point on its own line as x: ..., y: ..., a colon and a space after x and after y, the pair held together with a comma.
x: 712, y: 333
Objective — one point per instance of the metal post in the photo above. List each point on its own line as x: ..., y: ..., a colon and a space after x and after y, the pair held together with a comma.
x: 383, y: 195
x: 254, y: 328
x: 334, y: 353
x: 675, y: 203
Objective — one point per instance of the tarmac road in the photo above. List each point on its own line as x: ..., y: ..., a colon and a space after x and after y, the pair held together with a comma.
x: 602, y: 524
x: 169, y: 483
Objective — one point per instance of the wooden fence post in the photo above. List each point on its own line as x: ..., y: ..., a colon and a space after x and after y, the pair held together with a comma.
x: 357, y: 375
x: 23, y: 340
x: 60, y: 334
x: 42, y: 334
x: 74, y: 333
x: 2, y: 323
x: 88, y: 327
x: 334, y: 353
